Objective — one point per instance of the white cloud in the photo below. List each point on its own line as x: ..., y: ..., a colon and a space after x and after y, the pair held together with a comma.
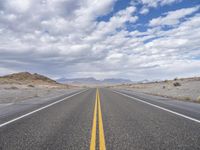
x: 173, y: 17
x: 155, y: 3
x: 20, y: 6
x: 144, y: 10
x: 116, y: 21
x: 65, y: 35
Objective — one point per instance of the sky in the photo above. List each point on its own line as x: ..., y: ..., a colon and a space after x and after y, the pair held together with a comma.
x: 134, y: 39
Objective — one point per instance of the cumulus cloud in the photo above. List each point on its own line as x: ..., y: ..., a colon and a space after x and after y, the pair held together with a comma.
x: 154, y: 3
x: 173, y: 17
x: 144, y: 10
x: 19, y: 6
x: 64, y: 38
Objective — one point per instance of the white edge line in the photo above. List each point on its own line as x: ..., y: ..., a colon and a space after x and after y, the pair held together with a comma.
x: 162, y: 108
x: 34, y: 111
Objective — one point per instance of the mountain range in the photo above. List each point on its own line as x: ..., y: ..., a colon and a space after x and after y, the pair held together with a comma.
x: 91, y: 80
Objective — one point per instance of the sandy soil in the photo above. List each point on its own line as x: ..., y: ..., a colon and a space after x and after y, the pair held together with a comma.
x: 11, y: 93
x: 187, y: 88
x: 28, y: 86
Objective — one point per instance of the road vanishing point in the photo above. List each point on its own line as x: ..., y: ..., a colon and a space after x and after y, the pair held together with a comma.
x: 101, y: 119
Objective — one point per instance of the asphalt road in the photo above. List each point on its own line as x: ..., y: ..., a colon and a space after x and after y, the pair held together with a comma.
x: 104, y: 120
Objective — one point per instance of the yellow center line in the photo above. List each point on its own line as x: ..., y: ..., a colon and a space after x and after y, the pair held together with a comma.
x: 102, y: 145
x: 97, y: 107
x: 94, y: 126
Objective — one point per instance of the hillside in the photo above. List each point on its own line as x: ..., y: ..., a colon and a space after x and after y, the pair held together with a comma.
x: 25, y: 78
x: 27, y: 86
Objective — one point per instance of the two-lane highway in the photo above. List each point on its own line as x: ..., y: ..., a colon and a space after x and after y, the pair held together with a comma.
x: 102, y: 119
x: 65, y: 125
x: 131, y: 124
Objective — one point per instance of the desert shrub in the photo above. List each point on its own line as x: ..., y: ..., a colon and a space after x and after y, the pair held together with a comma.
x: 36, y: 95
x: 12, y: 88
x: 176, y: 84
x: 187, y: 98
x: 175, y: 79
x: 30, y: 85
x: 198, y: 99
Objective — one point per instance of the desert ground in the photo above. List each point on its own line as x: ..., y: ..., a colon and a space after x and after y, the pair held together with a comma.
x: 26, y: 86
x: 182, y: 89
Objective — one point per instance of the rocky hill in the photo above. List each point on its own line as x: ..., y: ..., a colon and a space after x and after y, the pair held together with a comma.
x: 26, y: 77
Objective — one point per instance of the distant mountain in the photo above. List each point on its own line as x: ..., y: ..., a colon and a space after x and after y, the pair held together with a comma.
x: 92, y: 80
x: 116, y: 81
x: 89, y: 80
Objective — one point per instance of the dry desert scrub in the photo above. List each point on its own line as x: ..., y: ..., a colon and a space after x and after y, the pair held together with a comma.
x: 198, y: 99
x: 176, y: 84
x: 30, y: 85
x: 187, y: 98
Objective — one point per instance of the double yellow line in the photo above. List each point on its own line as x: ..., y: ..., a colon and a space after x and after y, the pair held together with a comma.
x: 97, y: 108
